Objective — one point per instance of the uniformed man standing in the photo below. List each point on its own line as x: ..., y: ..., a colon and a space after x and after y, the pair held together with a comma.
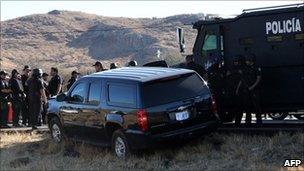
x: 25, y: 104
x: 4, y: 99
x: 216, y: 81
x: 18, y: 96
x: 44, y: 105
x: 250, y: 83
x: 233, y: 77
x: 55, y: 84
x: 73, y: 79
x: 36, y: 96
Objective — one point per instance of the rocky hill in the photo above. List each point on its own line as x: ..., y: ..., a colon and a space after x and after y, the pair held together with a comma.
x: 75, y: 40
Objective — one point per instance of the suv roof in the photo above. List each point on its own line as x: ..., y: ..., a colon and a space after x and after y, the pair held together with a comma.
x: 142, y: 74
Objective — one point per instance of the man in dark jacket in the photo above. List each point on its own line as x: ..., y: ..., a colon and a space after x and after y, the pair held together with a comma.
x: 44, y: 105
x: 250, y: 85
x: 4, y: 98
x: 36, y: 96
x: 55, y: 84
x: 18, y: 96
x: 73, y: 79
x: 25, y: 105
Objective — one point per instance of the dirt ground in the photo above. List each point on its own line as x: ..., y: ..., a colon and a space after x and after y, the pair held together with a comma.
x: 36, y: 151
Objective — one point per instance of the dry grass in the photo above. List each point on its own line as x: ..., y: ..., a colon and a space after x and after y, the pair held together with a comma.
x: 217, y: 152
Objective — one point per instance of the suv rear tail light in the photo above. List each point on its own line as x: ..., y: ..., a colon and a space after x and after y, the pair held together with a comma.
x: 142, y: 119
x: 213, y: 105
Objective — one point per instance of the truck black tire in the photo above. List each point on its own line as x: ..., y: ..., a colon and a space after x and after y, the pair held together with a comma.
x: 278, y: 116
x: 56, y: 130
x: 120, y: 145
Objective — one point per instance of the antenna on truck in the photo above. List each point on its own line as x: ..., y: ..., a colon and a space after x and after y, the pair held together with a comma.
x: 273, y: 7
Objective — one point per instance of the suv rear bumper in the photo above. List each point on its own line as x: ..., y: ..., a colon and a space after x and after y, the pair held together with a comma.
x: 141, y: 140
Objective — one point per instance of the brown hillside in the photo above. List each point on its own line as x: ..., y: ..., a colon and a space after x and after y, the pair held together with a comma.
x: 99, y: 38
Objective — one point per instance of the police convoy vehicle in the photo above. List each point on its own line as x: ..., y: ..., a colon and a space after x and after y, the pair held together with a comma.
x: 275, y: 35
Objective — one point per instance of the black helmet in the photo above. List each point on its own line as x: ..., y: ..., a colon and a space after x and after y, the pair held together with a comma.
x: 37, y: 72
x: 250, y: 57
x: 132, y: 63
x: 113, y: 65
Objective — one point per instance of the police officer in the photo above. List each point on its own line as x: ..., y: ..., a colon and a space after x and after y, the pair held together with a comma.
x: 250, y: 83
x: 44, y: 105
x: 216, y: 81
x: 98, y: 67
x: 233, y: 77
x: 4, y: 99
x: 190, y: 64
x: 25, y: 104
x: 17, y: 96
x: 55, y: 84
x: 36, y: 96
x: 73, y: 79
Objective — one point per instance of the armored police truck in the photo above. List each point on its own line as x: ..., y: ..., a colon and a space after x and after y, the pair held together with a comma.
x: 275, y: 35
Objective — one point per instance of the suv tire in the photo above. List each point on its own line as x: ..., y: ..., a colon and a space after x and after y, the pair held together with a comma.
x: 120, y: 145
x: 56, y: 130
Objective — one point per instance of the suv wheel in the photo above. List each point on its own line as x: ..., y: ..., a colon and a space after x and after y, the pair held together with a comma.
x: 56, y: 130
x: 120, y: 145
x: 278, y: 116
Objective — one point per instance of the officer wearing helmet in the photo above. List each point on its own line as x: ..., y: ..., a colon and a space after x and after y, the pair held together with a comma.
x: 36, y: 96
x: 250, y: 86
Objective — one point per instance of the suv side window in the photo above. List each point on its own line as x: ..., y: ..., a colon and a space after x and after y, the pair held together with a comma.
x: 122, y: 94
x: 78, y: 93
x: 94, y: 93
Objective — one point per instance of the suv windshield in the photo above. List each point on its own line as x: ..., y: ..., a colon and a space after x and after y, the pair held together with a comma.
x: 172, y: 89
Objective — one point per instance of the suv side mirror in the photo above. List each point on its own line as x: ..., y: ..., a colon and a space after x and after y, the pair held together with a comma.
x: 180, y: 39
x: 61, y: 97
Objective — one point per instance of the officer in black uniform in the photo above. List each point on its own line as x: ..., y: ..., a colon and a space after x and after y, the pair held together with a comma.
x: 55, y: 84
x: 36, y: 96
x: 216, y: 81
x: 250, y: 83
x: 44, y: 105
x: 73, y: 79
x: 233, y: 77
x: 18, y: 96
x: 190, y: 64
x: 4, y: 99
x: 25, y: 104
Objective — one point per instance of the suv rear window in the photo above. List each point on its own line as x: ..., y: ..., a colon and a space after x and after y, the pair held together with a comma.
x: 172, y: 89
x: 122, y: 94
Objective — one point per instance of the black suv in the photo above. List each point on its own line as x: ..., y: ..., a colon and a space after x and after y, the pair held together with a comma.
x: 132, y: 108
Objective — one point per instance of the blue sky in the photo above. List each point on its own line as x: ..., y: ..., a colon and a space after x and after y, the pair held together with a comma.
x: 134, y: 9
